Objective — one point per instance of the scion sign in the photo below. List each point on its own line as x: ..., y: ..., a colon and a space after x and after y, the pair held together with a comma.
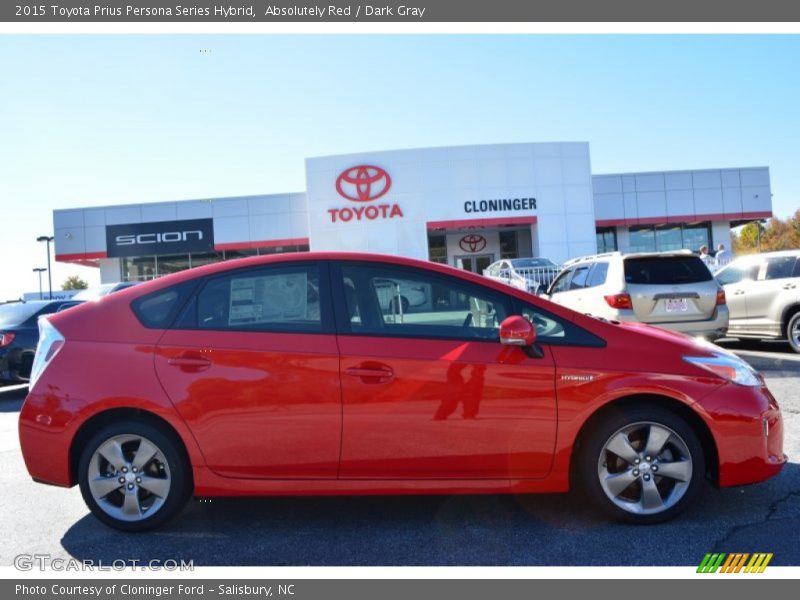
x: 169, y: 237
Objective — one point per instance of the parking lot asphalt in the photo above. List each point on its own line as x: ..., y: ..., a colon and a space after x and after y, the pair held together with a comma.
x: 429, y: 530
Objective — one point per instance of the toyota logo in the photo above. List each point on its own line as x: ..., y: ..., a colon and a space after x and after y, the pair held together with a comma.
x: 472, y: 242
x: 363, y: 183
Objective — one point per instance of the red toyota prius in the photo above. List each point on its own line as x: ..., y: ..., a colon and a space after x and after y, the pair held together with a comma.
x: 307, y: 374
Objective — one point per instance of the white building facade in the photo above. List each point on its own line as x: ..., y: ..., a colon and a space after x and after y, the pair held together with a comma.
x: 464, y: 206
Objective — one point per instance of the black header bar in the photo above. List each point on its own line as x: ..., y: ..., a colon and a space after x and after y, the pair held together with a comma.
x: 413, y: 11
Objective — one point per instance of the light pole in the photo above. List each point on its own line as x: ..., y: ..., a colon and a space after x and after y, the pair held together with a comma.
x: 40, y: 270
x: 48, y: 239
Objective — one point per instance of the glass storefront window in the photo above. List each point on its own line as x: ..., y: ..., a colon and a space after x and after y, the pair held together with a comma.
x: 437, y: 248
x: 229, y: 254
x: 696, y: 235
x: 606, y: 239
x: 283, y: 249
x: 201, y: 258
x: 642, y: 239
x: 675, y: 236
x: 508, y: 244
x: 138, y: 268
x: 668, y: 237
x: 171, y: 264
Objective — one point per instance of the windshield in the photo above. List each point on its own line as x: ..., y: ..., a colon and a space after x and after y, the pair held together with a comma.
x: 531, y: 263
x: 17, y: 313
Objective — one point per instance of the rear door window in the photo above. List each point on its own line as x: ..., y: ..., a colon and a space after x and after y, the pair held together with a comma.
x: 579, y: 278
x: 778, y: 267
x: 598, y: 275
x: 284, y: 298
x: 666, y: 270
x: 561, y: 284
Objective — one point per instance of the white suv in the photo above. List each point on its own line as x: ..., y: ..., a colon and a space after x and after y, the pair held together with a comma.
x: 674, y: 290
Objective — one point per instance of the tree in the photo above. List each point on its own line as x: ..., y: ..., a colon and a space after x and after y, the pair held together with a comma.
x: 73, y: 282
x: 777, y: 234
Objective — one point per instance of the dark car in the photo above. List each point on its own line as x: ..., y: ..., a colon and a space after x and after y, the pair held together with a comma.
x: 19, y: 334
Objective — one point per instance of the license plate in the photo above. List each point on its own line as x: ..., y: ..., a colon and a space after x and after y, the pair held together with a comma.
x: 677, y: 305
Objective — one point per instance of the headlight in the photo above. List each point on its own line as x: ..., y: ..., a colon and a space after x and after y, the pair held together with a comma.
x: 729, y: 367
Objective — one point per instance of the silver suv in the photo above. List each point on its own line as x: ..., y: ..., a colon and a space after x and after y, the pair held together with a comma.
x: 674, y: 290
x: 763, y: 293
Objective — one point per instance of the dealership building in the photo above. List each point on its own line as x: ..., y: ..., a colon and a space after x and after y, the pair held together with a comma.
x: 466, y: 206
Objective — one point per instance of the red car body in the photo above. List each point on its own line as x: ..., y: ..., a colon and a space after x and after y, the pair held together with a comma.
x: 304, y: 414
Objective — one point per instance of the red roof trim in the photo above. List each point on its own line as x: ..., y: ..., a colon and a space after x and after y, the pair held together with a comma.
x: 456, y: 224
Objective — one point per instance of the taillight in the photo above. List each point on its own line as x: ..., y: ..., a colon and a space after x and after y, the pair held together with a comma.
x: 50, y: 342
x: 720, y: 297
x: 619, y: 301
x: 6, y: 339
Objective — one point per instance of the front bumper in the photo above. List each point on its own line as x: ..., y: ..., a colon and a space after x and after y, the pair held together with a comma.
x: 748, y: 430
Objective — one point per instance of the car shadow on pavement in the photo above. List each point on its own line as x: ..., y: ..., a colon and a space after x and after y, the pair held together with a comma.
x: 453, y: 530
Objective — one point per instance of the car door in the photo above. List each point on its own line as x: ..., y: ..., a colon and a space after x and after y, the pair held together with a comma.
x: 252, y: 366
x: 431, y: 393
x: 737, y: 279
x: 774, y: 288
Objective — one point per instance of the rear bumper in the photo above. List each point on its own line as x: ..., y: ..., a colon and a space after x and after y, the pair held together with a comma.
x: 710, y: 329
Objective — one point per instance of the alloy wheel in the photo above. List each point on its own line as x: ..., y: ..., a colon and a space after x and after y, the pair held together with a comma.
x: 129, y: 477
x: 645, y: 468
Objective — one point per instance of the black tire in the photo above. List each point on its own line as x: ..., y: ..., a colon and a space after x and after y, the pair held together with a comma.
x: 177, y: 466
x: 595, y: 462
x: 793, y: 327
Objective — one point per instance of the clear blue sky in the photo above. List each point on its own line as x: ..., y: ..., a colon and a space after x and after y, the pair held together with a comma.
x: 95, y: 120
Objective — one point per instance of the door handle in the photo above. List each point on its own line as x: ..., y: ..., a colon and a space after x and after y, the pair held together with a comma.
x: 189, y: 362
x: 371, y: 374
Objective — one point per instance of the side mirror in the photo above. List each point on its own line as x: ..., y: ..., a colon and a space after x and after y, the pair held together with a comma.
x: 517, y: 331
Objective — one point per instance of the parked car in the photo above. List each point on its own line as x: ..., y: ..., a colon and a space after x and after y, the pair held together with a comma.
x: 674, y: 290
x: 400, y: 295
x: 763, y: 294
x: 532, y: 275
x: 297, y: 393
x: 19, y: 334
x: 104, y: 290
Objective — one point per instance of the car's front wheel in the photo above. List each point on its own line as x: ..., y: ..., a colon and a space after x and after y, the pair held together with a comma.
x: 134, y: 476
x: 642, y: 464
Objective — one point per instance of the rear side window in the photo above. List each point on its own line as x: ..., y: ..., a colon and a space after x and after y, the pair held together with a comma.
x: 276, y: 298
x: 666, y: 270
x: 158, y: 310
x: 779, y: 267
x: 598, y: 275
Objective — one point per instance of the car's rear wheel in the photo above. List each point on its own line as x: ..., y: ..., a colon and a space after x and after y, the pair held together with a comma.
x: 793, y: 332
x: 642, y: 464
x: 134, y: 476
